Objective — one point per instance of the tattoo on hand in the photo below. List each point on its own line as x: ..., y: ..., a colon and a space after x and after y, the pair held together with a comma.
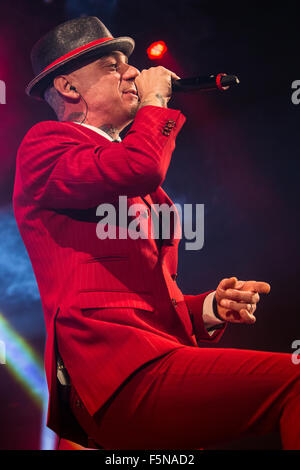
x: 162, y: 100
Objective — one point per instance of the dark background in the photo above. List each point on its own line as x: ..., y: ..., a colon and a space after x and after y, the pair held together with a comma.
x: 237, y: 153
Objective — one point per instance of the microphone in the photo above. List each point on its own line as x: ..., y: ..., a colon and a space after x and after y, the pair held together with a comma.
x: 222, y: 81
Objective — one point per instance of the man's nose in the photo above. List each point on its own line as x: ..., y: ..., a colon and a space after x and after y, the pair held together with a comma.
x: 130, y: 72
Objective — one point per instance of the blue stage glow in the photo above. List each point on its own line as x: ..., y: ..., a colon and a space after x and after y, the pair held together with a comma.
x: 17, y: 282
x: 20, y: 301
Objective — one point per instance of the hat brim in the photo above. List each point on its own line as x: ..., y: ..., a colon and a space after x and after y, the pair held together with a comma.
x: 40, y: 83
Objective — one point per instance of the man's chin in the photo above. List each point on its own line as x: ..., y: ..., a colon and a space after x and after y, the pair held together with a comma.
x: 129, y: 120
x: 132, y: 113
x: 134, y: 109
x: 128, y: 116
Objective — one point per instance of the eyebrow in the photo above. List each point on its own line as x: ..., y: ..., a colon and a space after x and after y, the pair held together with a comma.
x: 115, y: 55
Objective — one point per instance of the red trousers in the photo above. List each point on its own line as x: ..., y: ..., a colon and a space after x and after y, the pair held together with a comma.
x: 196, y: 398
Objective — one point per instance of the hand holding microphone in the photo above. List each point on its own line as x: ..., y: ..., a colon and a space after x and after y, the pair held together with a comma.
x: 155, y: 85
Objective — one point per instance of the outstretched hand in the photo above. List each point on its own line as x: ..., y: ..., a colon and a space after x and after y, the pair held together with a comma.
x: 237, y: 300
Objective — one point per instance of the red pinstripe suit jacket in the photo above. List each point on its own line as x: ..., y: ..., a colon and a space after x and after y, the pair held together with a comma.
x: 116, y: 303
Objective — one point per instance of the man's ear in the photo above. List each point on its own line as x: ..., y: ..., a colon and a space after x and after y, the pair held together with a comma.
x: 64, y: 87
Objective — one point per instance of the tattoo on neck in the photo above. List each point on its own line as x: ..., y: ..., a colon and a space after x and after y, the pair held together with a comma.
x: 75, y: 117
x: 110, y: 130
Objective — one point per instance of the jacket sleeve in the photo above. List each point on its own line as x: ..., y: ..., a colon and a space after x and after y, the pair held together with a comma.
x: 61, y: 168
x: 195, y: 307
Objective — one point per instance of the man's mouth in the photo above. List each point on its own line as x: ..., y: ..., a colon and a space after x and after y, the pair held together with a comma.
x: 131, y: 91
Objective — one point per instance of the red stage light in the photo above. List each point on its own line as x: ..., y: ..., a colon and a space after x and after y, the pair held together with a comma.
x: 156, y: 50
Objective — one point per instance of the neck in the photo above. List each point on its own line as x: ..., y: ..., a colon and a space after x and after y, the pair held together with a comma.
x: 109, y: 129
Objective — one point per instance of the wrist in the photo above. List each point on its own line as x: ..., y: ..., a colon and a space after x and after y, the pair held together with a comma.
x: 154, y: 99
x: 215, y: 309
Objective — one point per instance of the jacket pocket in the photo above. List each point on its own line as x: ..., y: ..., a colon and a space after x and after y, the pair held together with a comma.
x: 108, y: 299
x: 111, y: 273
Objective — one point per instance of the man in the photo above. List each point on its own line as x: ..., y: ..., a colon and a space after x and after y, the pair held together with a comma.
x: 123, y: 334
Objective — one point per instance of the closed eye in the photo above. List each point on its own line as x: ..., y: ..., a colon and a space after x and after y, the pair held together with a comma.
x: 114, y: 66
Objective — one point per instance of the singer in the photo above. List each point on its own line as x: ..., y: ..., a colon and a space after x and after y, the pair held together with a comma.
x: 125, y: 360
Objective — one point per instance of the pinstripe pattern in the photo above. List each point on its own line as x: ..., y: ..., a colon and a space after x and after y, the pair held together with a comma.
x: 118, y: 306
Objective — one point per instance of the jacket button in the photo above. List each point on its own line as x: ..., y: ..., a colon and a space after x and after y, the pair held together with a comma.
x: 174, y: 302
x: 174, y: 276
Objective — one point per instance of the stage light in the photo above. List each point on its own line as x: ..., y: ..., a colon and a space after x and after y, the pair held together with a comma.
x: 157, y: 50
x: 27, y: 368
x: 23, y: 362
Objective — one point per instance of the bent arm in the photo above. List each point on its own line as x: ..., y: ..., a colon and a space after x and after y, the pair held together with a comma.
x: 62, y: 168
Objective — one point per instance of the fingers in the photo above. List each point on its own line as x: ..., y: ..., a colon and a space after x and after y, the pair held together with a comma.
x: 261, y: 287
x: 241, y: 316
x: 239, y: 284
x: 242, y: 296
x: 247, y: 317
x: 257, y: 286
x: 155, y: 81
x: 253, y: 286
x: 237, y: 300
x: 174, y: 76
x: 227, y: 283
x: 163, y: 70
x: 237, y: 306
x: 160, y: 71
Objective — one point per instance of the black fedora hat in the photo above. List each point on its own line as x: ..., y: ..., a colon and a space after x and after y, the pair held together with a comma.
x: 66, y: 46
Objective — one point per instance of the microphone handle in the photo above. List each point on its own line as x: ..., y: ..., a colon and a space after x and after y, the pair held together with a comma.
x: 221, y: 81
